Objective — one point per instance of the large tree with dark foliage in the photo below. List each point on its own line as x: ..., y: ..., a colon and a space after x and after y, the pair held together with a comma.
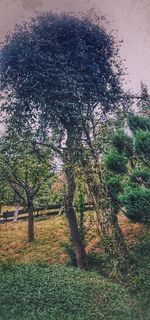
x: 57, y: 72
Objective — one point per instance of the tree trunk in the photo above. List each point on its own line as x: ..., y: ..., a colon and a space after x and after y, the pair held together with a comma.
x: 109, y: 230
x: 70, y: 212
x: 107, y: 222
x: 30, y: 223
x: 1, y: 206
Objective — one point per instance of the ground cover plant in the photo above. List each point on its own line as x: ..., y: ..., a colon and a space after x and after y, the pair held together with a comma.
x: 43, y: 292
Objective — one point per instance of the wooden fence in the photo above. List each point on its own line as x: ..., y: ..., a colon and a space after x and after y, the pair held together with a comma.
x: 51, y: 210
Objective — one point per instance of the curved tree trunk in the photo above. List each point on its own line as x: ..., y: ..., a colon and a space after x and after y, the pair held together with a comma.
x: 70, y: 212
x: 71, y: 216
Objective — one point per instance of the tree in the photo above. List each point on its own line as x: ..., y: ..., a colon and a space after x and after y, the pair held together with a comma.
x: 79, y: 203
x: 62, y: 70
x: 129, y: 169
x: 25, y: 169
x: 6, y: 193
x: 144, y: 103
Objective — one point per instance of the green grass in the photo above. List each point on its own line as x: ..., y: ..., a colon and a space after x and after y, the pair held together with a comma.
x: 30, y: 290
x: 15, y: 248
x: 36, y: 291
x: 139, y: 275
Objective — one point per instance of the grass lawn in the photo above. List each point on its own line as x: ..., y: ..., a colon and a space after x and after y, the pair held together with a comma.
x: 14, y: 246
x: 35, y: 284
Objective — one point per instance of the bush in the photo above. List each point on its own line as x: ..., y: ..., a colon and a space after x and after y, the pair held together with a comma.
x: 114, y: 186
x: 140, y: 176
x: 138, y: 123
x: 116, y: 162
x: 137, y: 203
x: 129, y: 159
x: 142, y: 144
x: 123, y: 143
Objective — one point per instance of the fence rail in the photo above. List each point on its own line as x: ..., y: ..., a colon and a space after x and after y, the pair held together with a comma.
x: 41, y: 211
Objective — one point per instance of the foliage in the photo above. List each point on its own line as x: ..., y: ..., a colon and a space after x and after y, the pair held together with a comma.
x: 80, y: 206
x: 139, y: 280
x: 136, y: 122
x: 25, y: 170
x: 116, y: 162
x: 137, y: 203
x: 134, y: 276
x: 44, y: 292
x: 58, y: 190
x: 129, y: 159
x: 123, y: 143
x: 50, y: 79
x: 6, y: 194
x: 46, y: 195
x: 142, y: 144
x: 56, y: 197
x: 114, y: 186
x: 144, y: 103
x: 140, y: 176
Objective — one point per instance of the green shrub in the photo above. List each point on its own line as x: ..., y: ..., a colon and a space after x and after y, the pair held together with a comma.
x: 140, y: 176
x: 114, y: 186
x: 137, y: 203
x: 123, y: 143
x: 116, y: 162
x: 138, y: 123
x: 129, y: 159
x: 142, y: 144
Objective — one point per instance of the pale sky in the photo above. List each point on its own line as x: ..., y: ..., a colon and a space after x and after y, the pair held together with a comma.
x: 130, y: 19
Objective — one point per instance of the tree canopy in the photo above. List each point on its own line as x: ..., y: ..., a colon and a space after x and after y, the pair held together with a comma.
x: 27, y: 173
x: 59, y: 67
x: 24, y: 168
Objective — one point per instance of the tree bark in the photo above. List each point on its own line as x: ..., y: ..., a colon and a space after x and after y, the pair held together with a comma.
x: 107, y: 222
x: 70, y: 212
x: 109, y: 230
x: 30, y: 223
x: 1, y: 206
